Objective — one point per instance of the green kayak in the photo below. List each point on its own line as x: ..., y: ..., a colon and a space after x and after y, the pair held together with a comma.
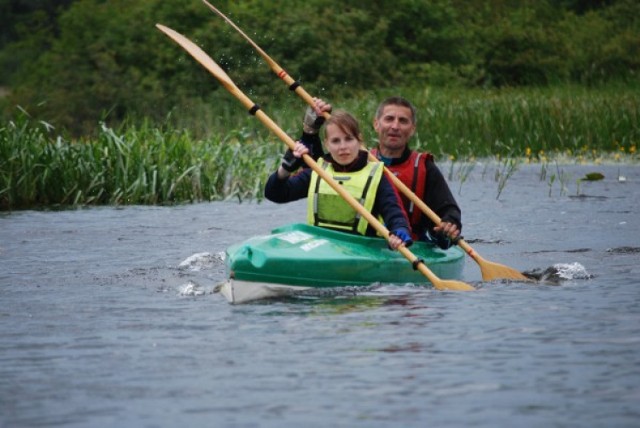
x: 299, y: 257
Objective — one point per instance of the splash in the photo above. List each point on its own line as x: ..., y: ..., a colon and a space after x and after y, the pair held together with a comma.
x: 201, y: 261
x: 191, y: 289
x: 569, y: 271
x: 560, y: 272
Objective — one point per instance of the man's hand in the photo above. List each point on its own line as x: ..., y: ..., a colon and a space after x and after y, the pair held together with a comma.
x: 450, y: 230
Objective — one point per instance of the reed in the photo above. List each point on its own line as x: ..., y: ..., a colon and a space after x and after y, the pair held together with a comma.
x: 534, y: 121
x: 205, y: 153
x: 129, y: 165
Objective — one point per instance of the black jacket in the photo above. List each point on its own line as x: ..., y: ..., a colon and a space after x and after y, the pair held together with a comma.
x: 438, y: 197
x: 387, y: 203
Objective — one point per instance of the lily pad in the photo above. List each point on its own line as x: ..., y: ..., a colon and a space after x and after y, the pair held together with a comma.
x: 593, y: 176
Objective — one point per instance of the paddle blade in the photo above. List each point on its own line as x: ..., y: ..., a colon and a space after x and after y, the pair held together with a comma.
x: 492, y: 271
x: 448, y: 284
x: 199, y: 56
x: 440, y: 284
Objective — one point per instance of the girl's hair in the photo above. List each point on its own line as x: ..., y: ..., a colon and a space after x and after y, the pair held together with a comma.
x: 346, y: 122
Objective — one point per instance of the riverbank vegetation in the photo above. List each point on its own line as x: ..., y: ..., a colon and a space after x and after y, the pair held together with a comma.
x: 98, y: 107
x: 145, y: 163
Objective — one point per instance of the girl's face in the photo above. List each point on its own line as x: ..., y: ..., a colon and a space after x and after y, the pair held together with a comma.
x: 343, y: 147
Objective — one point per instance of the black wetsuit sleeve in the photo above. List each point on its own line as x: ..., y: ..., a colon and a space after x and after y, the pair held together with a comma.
x: 289, y: 189
x: 439, y: 198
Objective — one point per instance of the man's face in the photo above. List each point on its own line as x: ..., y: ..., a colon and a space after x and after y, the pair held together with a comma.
x: 394, y: 127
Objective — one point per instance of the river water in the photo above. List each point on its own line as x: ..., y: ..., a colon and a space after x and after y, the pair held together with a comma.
x: 107, y: 318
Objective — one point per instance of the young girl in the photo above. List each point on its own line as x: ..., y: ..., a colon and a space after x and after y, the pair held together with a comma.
x: 349, y: 166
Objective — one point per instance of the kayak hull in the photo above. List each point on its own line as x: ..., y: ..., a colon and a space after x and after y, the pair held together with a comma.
x: 299, y: 257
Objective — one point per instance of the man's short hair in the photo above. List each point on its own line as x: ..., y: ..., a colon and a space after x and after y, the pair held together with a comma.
x: 397, y: 101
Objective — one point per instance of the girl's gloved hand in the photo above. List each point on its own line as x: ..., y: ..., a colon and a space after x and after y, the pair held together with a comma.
x: 402, y: 237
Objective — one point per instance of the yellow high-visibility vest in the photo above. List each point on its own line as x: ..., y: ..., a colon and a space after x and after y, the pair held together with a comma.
x: 326, y: 208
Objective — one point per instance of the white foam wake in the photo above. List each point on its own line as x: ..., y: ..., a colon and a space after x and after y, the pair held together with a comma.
x: 570, y: 271
x: 199, y: 261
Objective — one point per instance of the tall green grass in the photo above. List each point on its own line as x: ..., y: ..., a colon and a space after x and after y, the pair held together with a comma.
x: 463, y: 122
x: 219, y: 153
x: 519, y: 122
x: 129, y: 165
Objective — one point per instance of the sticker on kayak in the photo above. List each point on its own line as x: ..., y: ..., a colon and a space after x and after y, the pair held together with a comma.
x: 295, y: 237
x: 313, y: 244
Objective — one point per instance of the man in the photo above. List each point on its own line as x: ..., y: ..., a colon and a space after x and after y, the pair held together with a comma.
x: 395, y: 124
